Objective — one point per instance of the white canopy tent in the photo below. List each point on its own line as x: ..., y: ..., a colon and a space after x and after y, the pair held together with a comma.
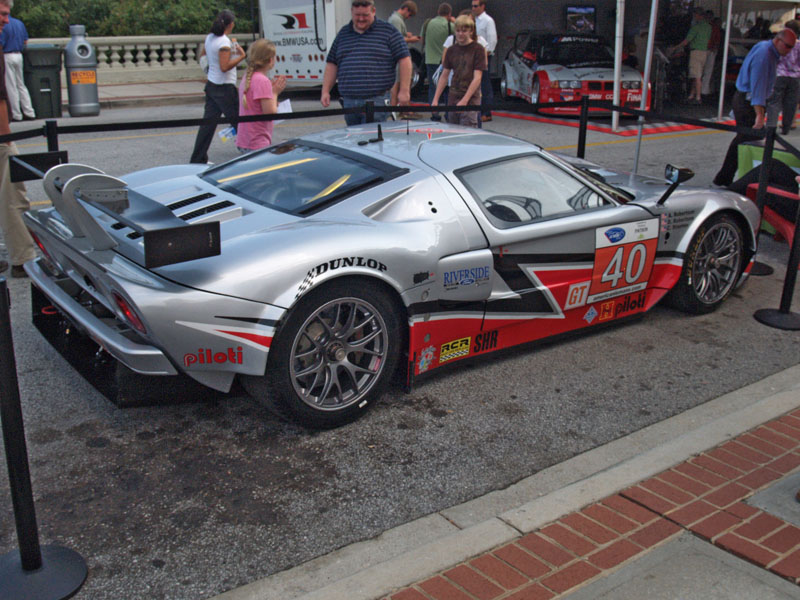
x: 728, y: 8
x: 754, y: 4
x: 742, y: 4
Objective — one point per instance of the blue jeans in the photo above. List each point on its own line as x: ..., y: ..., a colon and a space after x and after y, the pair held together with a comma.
x: 359, y: 118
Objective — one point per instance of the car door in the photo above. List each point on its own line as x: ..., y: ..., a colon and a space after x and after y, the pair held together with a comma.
x: 566, y: 254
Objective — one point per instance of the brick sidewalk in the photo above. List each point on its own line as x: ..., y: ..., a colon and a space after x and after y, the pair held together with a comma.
x: 703, y: 495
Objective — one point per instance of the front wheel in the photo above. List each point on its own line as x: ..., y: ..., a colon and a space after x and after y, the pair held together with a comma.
x: 535, y: 89
x: 333, y: 356
x: 712, y: 266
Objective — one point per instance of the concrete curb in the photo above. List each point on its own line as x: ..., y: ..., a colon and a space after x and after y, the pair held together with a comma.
x: 417, y: 550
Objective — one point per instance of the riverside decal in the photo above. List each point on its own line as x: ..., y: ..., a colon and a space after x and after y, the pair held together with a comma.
x: 452, y: 280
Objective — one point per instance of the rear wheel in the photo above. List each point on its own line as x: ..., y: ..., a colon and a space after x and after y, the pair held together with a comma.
x: 712, y: 266
x: 334, y: 355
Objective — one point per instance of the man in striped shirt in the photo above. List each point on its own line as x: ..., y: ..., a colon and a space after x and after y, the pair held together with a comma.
x: 363, y: 58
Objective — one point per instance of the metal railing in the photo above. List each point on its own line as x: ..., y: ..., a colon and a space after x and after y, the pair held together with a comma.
x: 136, y: 59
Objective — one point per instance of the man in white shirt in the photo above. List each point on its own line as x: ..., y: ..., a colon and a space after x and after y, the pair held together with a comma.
x: 484, y: 24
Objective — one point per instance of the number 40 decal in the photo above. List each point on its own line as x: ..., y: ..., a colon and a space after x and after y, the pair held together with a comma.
x: 623, y: 259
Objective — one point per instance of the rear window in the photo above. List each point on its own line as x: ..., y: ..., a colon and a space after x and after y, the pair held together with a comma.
x: 299, y: 177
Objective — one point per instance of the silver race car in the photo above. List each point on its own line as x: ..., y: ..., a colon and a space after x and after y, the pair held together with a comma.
x: 315, y: 269
x: 543, y: 68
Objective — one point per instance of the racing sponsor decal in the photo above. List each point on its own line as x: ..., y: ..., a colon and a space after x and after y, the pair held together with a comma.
x: 338, y: 263
x: 426, y: 359
x: 564, y: 39
x: 485, y: 341
x: 611, y: 309
x: 577, y: 294
x: 454, y: 349
x: 452, y: 280
x: 679, y: 219
x: 590, y: 315
x: 294, y: 21
x: 206, y: 356
x: 624, y: 256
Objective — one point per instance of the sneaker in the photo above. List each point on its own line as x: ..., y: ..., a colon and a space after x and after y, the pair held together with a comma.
x: 486, y: 118
x: 18, y: 271
x: 720, y: 183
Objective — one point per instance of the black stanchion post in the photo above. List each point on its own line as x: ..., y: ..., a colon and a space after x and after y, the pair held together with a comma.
x: 784, y: 318
x: 32, y: 572
x: 760, y: 269
x: 369, y: 107
x: 583, y: 125
x: 51, y: 132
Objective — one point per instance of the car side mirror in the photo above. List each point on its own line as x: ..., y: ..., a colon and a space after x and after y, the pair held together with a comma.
x: 675, y: 174
x: 531, y: 56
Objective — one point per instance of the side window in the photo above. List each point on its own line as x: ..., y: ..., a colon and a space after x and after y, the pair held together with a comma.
x: 530, y: 188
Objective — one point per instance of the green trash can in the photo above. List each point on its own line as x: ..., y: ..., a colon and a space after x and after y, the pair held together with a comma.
x: 42, y: 73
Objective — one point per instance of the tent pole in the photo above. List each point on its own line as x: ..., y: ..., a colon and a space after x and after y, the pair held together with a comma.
x: 724, y: 60
x: 648, y: 63
x: 618, y: 62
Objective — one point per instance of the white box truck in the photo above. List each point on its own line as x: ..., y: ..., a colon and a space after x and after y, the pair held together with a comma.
x: 303, y: 30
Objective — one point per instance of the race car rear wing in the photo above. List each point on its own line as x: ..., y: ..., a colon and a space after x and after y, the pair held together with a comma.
x: 167, y: 239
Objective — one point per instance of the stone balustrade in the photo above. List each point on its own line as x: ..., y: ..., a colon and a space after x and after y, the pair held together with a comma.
x: 132, y: 59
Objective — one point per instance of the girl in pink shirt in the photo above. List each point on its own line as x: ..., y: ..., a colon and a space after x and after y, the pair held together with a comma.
x: 258, y: 96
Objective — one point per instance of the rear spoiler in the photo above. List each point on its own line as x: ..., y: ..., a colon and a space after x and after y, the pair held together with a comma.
x: 167, y: 238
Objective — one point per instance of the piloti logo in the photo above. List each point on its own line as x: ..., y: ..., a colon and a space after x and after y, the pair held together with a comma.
x: 206, y: 356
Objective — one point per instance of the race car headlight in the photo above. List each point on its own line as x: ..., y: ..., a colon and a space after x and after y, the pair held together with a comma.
x: 566, y: 84
x: 631, y: 85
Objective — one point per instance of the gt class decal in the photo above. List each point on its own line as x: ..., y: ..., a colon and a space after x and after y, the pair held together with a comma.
x: 623, y: 259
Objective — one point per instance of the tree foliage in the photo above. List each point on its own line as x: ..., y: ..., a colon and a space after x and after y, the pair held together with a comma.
x: 52, y: 18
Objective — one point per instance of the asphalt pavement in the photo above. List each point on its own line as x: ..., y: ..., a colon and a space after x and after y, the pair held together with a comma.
x: 696, y: 500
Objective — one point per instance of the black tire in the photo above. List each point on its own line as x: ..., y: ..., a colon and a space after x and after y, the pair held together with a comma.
x: 535, y: 91
x: 712, y: 266
x: 320, y: 372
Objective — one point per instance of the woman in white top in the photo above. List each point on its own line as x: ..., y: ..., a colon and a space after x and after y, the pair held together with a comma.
x: 221, y: 94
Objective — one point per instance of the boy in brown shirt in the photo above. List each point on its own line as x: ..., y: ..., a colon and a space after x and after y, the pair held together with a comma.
x: 466, y: 59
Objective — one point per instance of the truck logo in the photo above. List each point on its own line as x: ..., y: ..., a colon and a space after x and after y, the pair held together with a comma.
x: 295, y: 21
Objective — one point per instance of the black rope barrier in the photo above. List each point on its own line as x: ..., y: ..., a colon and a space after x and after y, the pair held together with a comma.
x: 32, y: 572
x: 52, y: 129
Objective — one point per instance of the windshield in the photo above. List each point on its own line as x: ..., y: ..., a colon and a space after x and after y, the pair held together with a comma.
x: 584, y: 53
x: 299, y: 178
